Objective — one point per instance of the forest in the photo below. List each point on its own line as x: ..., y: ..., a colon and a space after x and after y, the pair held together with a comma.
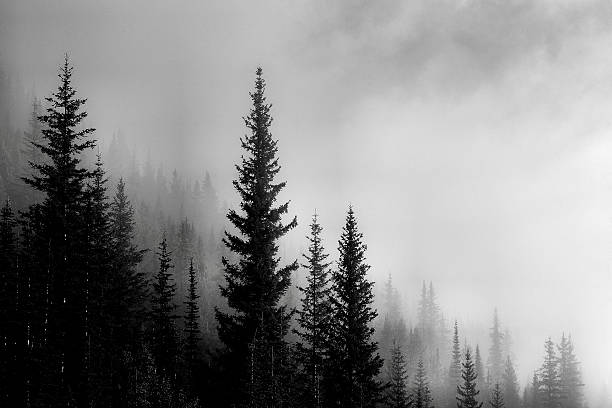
x: 122, y: 286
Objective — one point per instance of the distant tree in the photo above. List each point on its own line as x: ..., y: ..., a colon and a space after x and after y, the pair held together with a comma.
x: 497, y: 397
x: 454, y: 371
x: 549, y: 387
x: 480, y: 371
x: 314, y: 317
x: 496, y: 360
x: 467, y: 393
x: 192, y: 325
x: 570, y: 379
x: 354, y: 360
x: 510, y: 385
x: 420, y: 396
x: 256, y: 283
x: 163, y: 315
x: 397, y: 395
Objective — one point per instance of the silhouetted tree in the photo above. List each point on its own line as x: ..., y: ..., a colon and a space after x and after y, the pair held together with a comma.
x: 397, y: 396
x: 354, y: 361
x: 496, y: 360
x: 467, y: 392
x: 570, y: 379
x: 192, y: 326
x: 420, y: 396
x: 497, y: 397
x: 548, y: 385
x: 454, y: 371
x: 510, y: 385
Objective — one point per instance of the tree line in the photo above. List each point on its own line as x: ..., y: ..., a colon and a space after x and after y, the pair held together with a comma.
x: 90, y: 318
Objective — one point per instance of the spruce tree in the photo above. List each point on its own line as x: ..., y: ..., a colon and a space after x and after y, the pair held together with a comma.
x: 549, y: 388
x: 397, y: 396
x: 467, y: 392
x: 354, y: 360
x: 192, y: 325
x: 421, y: 395
x: 510, y: 385
x: 570, y: 379
x: 496, y: 360
x: 256, y: 283
x: 58, y: 235
x: 454, y: 371
x: 163, y: 315
x: 314, y: 318
x: 481, y: 381
x: 497, y: 397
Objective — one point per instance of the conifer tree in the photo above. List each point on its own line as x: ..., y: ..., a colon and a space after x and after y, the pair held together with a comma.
x: 421, y: 395
x: 467, y: 392
x: 570, y: 381
x: 355, y: 362
x: 481, y: 380
x: 192, y: 325
x: 548, y: 382
x: 163, y: 314
x: 314, y: 317
x: 496, y: 360
x: 58, y: 232
x: 510, y: 385
x: 397, y: 396
x: 255, y: 284
x: 497, y: 397
x: 454, y: 371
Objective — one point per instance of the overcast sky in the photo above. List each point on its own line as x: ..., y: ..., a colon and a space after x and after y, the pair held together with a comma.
x: 472, y: 137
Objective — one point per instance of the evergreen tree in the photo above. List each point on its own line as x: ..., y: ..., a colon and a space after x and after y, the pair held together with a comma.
x: 163, y: 308
x: 314, y: 317
x: 570, y: 381
x: 497, y: 397
x: 481, y: 380
x: 256, y: 283
x: 421, y: 395
x: 192, y: 325
x: 355, y: 363
x: 548, y: 384
x: 496, y: 360
x: 510, y: 385
x: 467, y: 391
x: 58, y: 234
x: 397, y: 396
x: 454, y: 371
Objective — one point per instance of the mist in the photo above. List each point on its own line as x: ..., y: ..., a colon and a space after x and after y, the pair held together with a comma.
x: 472, y: 138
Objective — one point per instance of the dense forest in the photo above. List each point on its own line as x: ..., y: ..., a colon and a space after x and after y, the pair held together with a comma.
x: 121, y: 286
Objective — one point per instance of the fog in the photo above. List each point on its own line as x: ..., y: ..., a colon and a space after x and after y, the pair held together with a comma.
x: 472, y: 137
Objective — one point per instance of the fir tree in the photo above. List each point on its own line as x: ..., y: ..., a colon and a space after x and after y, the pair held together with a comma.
x: 570, y: 381
x: 314, y: 317
x: 397, y: 396
x: 467, y: 392
x: 164, y: 336
x: 548, y: 384
x: 510, y: 385
x: 497, y: 397
x: 355, y: 363
x: 496, y: 360
x: 256, y: 283
x: 481, y: 380
x: 421, y: 395
x: 192, y: 326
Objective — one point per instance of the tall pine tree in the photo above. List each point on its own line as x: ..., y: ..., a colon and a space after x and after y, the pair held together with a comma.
x: 497, y: 397
x: 254, y: 330
x: 454, y: 371
x: 467, y: 391
x: 570, y: 379
x: 420, y: 396
x: 549, y: 389
x: 314, y: 317
x: 397, y: 396
x: 510, y: 385
x: 354, y: 360
x: 192, y: 324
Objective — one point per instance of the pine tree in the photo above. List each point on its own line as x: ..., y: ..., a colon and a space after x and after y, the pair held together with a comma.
x: 510, y: 385
x: 256, y: 283
x: 481, y: 380
x: 497, y: 397
x: 496, y: 360
x: 192, y: 325
x: 570, y: 381
x: 397, y: 396
x: 454, y: 371
x: 164, y: 336
x: 421, y: 395
x: 355, y: 363
x: 58, y: 235
x: 314, y: 317
x: 548, y: 384
x: 467, y: 392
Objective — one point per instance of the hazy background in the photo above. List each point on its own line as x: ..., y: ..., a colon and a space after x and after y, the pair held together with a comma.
x: 472, y: 137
